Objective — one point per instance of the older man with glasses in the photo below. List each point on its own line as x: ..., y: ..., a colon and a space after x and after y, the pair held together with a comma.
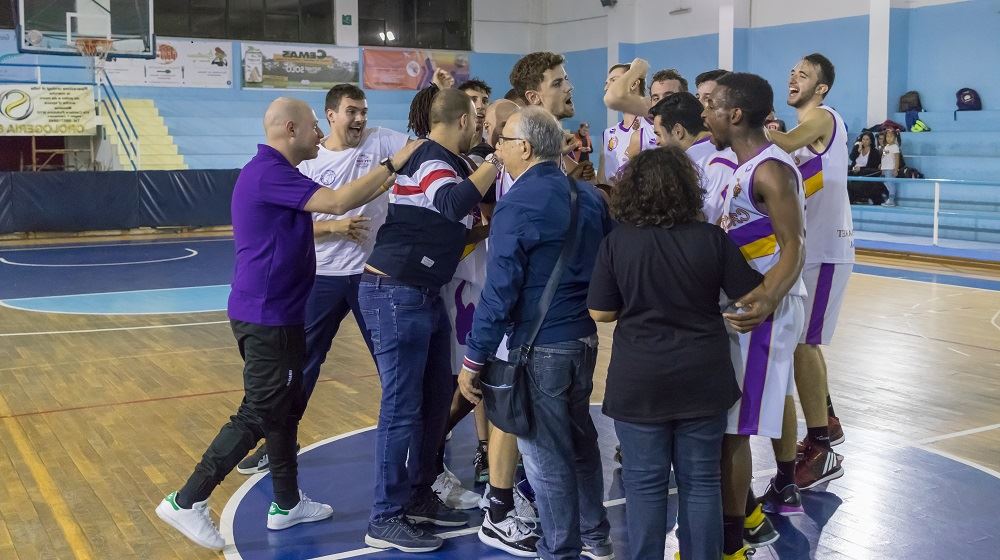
x: 530, y: 225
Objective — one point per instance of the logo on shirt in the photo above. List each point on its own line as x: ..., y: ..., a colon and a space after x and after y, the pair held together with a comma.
x: 612, y: 143
x: 737, y: 189
x: 328, y: 177
x: 364, y: 160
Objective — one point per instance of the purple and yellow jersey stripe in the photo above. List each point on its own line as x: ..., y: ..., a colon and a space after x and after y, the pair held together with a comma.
x: 812, y: 175
x: 755, y: 239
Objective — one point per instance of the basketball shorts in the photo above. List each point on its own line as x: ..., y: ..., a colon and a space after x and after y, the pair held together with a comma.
x: 764, y: 361
x: 460, y: 300
x: 825, y: 287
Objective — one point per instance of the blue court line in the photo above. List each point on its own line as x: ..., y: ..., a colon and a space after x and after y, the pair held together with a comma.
x: 931, y: 277
x: 196, y: 299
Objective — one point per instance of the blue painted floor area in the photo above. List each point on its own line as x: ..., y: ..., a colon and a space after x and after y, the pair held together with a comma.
x: 932, y: 277
x: 195, y: 299
x: 96, y: 268
x: 893, y: 502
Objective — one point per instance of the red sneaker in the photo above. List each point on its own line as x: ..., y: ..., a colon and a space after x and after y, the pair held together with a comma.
x: 817, y: 466
x: 836, y: 431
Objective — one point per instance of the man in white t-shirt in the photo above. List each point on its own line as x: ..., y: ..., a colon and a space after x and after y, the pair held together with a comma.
x: 344, y: 242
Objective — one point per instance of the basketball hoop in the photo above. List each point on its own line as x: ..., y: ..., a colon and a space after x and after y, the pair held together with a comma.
x: 94, y: 47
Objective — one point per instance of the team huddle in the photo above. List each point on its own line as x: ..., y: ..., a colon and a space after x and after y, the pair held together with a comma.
x: 442, y: 248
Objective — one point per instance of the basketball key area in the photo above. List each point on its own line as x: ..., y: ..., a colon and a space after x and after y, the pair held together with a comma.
x: 119, y: 366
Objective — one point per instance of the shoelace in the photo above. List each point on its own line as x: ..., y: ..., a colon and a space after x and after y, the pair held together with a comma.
x: 204, y: 512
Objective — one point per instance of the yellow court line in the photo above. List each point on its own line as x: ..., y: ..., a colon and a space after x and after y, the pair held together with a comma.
x: 50, y: 493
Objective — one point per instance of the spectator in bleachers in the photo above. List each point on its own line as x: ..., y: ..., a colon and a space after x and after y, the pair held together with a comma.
x: 890, y: 165
x: 866, y: 158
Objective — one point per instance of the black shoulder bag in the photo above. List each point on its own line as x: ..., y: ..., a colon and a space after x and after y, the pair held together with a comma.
x: 504, y: 383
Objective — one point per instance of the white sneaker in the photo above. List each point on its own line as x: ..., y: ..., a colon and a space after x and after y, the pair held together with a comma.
x: 306, y: 511
x: 195, y: 523
x: 524, y: 508
x: 511, y: 535
x: 452, y: 493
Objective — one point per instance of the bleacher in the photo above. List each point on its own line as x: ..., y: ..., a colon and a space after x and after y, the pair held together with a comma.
x: 965, y: 146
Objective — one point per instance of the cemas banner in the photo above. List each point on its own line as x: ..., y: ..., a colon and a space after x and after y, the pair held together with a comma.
x: 39, y: 110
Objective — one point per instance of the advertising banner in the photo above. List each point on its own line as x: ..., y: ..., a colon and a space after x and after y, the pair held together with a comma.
x: 411, y: 69
x: 40, y: 110
x: 178, y: 63
x: 307, y: 67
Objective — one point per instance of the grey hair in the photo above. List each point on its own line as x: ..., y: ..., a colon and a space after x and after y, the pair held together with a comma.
x: 542, y: 131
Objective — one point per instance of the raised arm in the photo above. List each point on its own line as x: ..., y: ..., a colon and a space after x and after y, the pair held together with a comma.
x: 361, y: 190
x: 815, y: 129
x: 620, y: 97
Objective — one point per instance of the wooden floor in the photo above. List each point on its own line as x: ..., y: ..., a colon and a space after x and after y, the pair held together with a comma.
x: 97, y: 425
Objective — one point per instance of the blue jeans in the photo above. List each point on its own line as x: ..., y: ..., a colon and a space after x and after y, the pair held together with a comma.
x: 561, y: 457
x: 411, y: 336
x: 329, y: 301
x: 694, y: 449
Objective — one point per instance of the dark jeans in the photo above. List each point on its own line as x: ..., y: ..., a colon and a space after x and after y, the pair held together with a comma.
x: 410, y: 333
x: 329, y: 301
x: 694, y: 449
x: 561, y: 457
x: 272, y: 385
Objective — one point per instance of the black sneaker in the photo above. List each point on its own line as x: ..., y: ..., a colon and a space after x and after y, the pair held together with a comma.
x: 427, y: 507
x: 787, y: 501
x: 758, y: 530
x: 398, y: 533
x: 257, y: 461
x: 511, y: 535
x: 481, y: 463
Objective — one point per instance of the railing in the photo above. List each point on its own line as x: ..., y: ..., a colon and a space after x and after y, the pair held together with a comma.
x: 114, y: 108
x: 937, y: 193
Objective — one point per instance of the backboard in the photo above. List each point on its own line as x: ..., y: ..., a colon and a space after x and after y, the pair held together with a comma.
x: 115, y: 28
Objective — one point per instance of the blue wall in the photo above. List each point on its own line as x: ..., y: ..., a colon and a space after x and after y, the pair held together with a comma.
x: 899, y: 45
x: 773, y: 51
x: 587, y: 70
x: 953, y: 46
x: 689, y: 55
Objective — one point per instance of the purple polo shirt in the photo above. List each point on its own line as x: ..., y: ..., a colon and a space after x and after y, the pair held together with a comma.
x: 275, y: 259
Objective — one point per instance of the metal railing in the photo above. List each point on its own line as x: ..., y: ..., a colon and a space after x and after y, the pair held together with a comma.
x: 113, y: 106
x: 937, y: 193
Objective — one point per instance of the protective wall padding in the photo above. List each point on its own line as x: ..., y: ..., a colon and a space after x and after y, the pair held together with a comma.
x: 75, y: 201
x: 109, y: 200
x: 196, y: 197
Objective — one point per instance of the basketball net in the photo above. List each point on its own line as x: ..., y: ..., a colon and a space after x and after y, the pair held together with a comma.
x: 97, y: 49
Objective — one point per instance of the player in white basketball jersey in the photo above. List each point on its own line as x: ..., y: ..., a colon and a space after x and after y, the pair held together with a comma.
x: 819, y: 145
x: 677, y: 121
x: 629, y: 136
x: 343, y: 243
x: 765, y: 219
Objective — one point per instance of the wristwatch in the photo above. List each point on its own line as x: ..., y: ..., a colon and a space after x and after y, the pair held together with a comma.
x: 493, y: 160
x: 387, y: 163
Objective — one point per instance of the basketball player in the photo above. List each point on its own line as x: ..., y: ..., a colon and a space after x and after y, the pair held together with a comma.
x: 631, y: 135
x: 479, y: 92
x: 619, y: 95
x: 677, y: 122
x: 765, y: 219
x: 342, y: 243
x: 818, y: 144
x: 664, y: 83
x: 705, y: 83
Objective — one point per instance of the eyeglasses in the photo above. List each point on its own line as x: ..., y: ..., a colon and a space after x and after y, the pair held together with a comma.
x: 501, y: 139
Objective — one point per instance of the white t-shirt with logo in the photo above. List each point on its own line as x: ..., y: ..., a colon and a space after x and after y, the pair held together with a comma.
x: 890, y: 152
x: 335, y: 255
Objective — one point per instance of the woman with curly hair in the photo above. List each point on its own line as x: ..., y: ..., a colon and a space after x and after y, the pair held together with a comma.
x: 671, y: 381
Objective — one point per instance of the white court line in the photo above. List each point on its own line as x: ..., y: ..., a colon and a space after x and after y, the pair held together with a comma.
x: 958, y: 352
x: 933, y: 439
x: 967, y: 462
x: 98, y: 245
x: 106, y: 314
x: 993, y: 321
x: 121, y: 292
x: 925, y: 282
x: 190, y: 253
x: 82, y: 331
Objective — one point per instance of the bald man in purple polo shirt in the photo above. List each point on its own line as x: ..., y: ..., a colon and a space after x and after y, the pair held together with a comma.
x: 275, y: 268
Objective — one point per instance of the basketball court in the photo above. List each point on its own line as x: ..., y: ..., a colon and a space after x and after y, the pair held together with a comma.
x: 119, y: 366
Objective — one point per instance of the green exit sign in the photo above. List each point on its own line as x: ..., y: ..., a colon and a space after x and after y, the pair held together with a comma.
x: 345, y: 19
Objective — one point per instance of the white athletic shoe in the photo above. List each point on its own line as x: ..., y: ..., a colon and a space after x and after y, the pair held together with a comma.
x: 524, y: 508
x: 511, y: 535
x: 306, y: 511
x: 195, y: 523
x: 452, y: 493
